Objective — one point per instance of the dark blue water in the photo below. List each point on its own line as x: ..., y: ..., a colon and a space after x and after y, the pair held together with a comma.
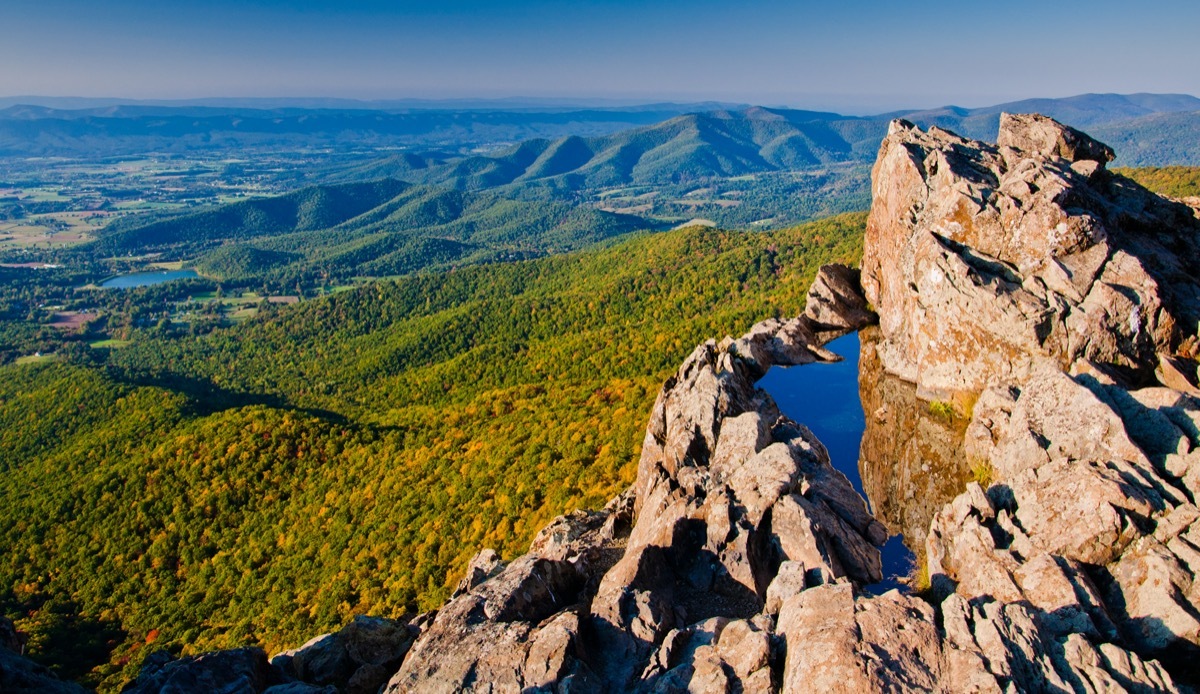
x: 145, y: 279
x: 824, y: 397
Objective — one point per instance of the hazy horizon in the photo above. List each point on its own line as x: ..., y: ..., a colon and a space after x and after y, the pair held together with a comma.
x: 861, y: 56
x: 856, y: 104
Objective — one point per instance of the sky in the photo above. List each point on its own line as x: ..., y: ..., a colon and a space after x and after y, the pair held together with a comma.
x: 848, y: 55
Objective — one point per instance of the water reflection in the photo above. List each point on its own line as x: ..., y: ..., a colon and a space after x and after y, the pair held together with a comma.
x: 903, y: 455
x: 825, y: 398
x: 911, y: 459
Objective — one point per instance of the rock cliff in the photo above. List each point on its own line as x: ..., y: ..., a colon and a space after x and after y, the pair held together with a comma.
x: 1048, y: 306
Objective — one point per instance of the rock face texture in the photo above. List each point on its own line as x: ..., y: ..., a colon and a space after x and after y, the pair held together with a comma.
x: 1047, y: 308
x: 1053, y: 305
x: 981, y: 259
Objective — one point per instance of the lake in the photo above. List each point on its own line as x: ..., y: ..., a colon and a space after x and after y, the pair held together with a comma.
x: 825, y: 398
x: 145, y: 279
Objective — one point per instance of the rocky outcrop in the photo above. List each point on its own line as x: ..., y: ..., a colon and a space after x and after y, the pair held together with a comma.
x: 982, y: 259
x: 359, y: 659
x: 1055, y: 304
x: 1046, y: 310
x: 229, y: 672
x: 728, y: 490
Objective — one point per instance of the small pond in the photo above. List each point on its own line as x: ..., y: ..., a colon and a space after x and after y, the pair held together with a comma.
x: 826, y: 399
x: 145, y: 279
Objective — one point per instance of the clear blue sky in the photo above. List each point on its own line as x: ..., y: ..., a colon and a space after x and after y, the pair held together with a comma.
x: 843, y: 54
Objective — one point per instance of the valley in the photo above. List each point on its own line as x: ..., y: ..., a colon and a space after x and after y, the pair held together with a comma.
x: 415, y: 419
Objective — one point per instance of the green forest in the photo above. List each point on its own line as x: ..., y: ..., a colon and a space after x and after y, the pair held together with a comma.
x: 265, y: 482
x: 1175, y: 181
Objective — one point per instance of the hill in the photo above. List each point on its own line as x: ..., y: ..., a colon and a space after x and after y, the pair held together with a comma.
x: 688, y: 147
x: 267, y: 481
x: 317, y: 207
x: 758, y: 166
x: 724, y: 140
x: 378, y: 228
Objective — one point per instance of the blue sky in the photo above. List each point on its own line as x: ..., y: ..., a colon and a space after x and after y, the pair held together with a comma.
x: 850, y: 55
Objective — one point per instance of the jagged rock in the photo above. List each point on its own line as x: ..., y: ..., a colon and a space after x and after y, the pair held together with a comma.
x: 790, y: 580
x: 463, y: 650
x: 727, y: 490
x: 1037, y: 134
x: 980, y: 258
x: 1155, y: 593
x: 485, y: 564
x: 837, y: 643
x: 1006, y: 642
x: 1027, y: 282
x: 784, y: 343
x: 1177, y: 374
x: 359, y: 659
x: 240, y: 671
x: 321, y: 660
x: 836, y: 301
x: 519, y: 628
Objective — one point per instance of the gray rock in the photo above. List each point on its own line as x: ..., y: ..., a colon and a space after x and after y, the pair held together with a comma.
x: 358, y: 659
x: 239, y: 671
x: 980, y: 259
x: 1037, y: 134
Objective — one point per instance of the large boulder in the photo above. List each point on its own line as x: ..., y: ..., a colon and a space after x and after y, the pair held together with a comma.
x: 980, y: 258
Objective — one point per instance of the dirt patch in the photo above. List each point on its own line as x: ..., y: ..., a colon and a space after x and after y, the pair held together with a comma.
x: 70, y: 320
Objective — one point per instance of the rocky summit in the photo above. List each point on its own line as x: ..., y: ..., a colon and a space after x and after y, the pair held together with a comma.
x: 1049, y: 306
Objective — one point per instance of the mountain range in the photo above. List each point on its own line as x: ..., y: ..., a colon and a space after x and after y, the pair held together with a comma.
x: 428, y: 209
x: 696, y: 138
x: 1157, y: 129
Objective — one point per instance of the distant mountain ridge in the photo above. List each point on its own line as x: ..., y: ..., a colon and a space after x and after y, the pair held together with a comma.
x: 517, y: 103
x: 642, y: 141
x: 757, y: 140
x: 125, y: 129
x: 377, y: 228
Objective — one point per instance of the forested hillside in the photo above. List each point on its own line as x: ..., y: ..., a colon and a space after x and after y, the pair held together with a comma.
x: 265, y: 482
x: 1176, y: 181
x: 378, y: 228
x: 318, y: 207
